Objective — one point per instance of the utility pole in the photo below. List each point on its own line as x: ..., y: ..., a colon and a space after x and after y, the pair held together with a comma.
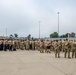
x: 39, y: 29
x: 58, y: 22
x: 6, y: 32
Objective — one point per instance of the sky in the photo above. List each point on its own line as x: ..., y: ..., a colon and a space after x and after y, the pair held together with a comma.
x: 23, y: 16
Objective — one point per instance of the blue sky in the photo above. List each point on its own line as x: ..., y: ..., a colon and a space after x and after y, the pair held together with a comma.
x: 23, y: 16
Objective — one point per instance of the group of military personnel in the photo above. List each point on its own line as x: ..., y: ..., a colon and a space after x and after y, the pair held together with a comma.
x: 66, y: 46
x: 7, y: 45
x: 13, y: 45
x: 47, y: 46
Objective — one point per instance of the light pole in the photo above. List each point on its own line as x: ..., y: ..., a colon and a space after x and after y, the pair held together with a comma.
x: 39, y: 29
x: 58, y: 22
x: 6, y: 32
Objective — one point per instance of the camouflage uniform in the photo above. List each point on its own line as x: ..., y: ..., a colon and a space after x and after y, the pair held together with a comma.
x: 63, y: 46
x: 67, y: 49
x: 48, y: 46
x: 57, y: 50
x: 60, y: 45
x: 33, y: 45
x: 10, y: 45
x: 14, y: 46
x: 21, y: 45
x: 41, y: 47
x: 45, y: 46
x: 27, y: 45
x: 5, y: 45
x: 36, y: 45
x: 74, y: 49
x: 0, y: 45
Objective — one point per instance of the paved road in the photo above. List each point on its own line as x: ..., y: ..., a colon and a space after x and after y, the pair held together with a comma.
x: 35, y: 63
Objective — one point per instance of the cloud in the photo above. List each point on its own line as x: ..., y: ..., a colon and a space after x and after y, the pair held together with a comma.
x: 23, y: 16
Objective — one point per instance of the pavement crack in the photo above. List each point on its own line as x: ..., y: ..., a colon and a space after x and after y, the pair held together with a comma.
x: 53, y: 66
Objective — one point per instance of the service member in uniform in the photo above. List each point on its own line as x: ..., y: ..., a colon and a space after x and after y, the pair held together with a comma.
x: 33, y: 44
x: 0, y: 45
x: 67, y: 48
x: 4, y: 45
x: 27, y: 44
x: 48, y: 48
x: 10, y: 45
x: 74, y: 49
x: 41, y: 46
x: 57, y: 50
x: 14, y: 45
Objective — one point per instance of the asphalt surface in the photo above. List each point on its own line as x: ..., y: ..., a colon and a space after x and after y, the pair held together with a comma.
x: 35, y: 63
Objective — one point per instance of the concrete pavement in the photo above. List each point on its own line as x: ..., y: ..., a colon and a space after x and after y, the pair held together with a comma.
x: 35, y: 63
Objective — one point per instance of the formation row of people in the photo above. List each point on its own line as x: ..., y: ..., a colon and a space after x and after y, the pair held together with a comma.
x: 7, y: 45
x: 57, y: 46
x: 17, y: 44
x: 41, y: 45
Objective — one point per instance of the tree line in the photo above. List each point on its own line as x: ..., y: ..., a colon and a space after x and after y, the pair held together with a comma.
x: 52, y: 35
x: 55, y: 35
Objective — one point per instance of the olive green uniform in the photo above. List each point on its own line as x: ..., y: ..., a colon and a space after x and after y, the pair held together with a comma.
x: 33, y: 45
x: 27, y: 45
x: 57, y: 50
x: 74, y: 50
x: 67, y: 49
x: 41, y: 47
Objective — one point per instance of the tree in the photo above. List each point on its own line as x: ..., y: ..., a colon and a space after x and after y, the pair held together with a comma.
x: 29, y: 36
x: 73, y: 34
x: 54, y: 35
x: 16, y: 35
x: 64, y: 35
x: 32, y: 38
x: 11, y: 35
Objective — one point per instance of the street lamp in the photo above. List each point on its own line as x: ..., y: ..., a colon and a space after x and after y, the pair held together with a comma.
x: 6, y: 32
x: 39, y: 29
x: 58, y: 22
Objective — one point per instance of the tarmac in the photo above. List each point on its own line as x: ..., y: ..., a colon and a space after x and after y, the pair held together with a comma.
x: 22, y: 62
